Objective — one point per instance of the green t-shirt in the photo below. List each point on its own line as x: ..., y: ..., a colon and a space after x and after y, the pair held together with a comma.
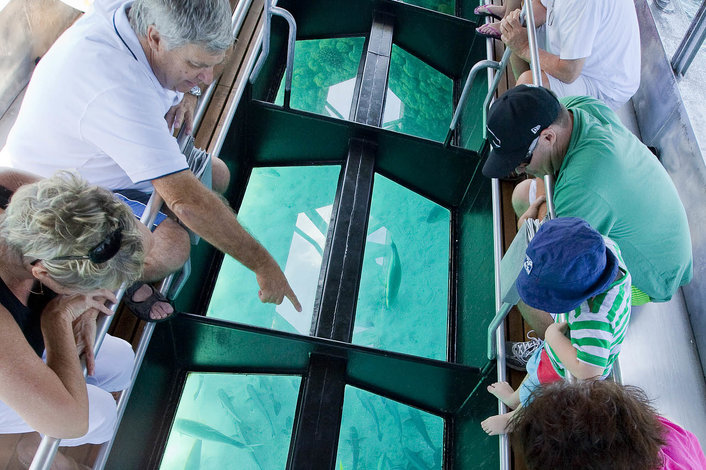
x: 611, y: 180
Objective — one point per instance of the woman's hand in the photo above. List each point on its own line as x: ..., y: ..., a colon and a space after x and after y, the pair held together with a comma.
x: 71, y: 307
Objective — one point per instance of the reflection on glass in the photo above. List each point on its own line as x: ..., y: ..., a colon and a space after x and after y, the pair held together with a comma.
x: 380, y: 433
x: 287, y: 209
x: 402, y: 302
x: 419, y: 98
x: 229, y: 421
x: 324, y: 76
x: 443, y: 6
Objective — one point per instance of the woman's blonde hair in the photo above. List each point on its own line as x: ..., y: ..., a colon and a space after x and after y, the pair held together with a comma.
x: 65, y: 216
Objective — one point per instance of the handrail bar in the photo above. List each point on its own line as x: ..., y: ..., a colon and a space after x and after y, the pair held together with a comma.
x: 504, y: 308
x: 691, y: 43
x: 477, y: 67
x: 272, y: 9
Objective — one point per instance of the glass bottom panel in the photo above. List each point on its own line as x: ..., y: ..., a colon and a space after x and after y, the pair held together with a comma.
x: 378, y: 433
x: 403, y: 296
x: 287, y: 209
x: 232, y: 421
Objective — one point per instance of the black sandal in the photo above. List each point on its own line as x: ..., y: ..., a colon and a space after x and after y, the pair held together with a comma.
x: 142, y: 309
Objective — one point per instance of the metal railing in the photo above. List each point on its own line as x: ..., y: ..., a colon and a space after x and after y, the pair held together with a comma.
x: 690, y: 45
x: 271, y: 9
x: 46, y: 452
x: 503, y: 299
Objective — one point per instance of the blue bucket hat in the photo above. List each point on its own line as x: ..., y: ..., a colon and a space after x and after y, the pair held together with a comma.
x: 566, y: 263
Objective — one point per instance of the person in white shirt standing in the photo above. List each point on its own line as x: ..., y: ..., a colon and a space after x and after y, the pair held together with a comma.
x: 99, y: 102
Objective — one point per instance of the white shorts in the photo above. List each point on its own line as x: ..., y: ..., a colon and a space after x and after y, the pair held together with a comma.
x: 114, y: 365
x: 582, y: 86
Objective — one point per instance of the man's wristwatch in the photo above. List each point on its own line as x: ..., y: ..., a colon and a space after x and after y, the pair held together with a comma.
x: 196, y: 91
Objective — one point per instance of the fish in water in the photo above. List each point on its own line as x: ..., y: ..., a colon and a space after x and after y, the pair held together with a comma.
x: 193, y: 461
x: 394, y: 276
x: 437, y: 214
x: 354, y: 441
x: 228, y: 404
x: 418, y: 422
x: 207, y: 433
x: 368, y: 405
x: 392, y: 409
x: 270, y: 172
x: 415, y: 460
x: 267, y: 386
x: 257, y: 399
x: 198, y: 386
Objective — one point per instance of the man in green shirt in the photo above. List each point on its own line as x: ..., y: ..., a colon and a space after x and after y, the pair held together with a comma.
x: 603, y: 174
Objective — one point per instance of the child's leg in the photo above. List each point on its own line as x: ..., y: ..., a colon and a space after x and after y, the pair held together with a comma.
x: 497, y: 424
x: 504, y: 392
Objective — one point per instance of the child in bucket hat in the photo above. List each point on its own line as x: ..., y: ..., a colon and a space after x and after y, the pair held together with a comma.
x: 570, y: 268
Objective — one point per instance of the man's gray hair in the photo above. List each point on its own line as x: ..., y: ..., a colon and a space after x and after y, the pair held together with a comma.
x: 206, y: 23
x: 65, y: 216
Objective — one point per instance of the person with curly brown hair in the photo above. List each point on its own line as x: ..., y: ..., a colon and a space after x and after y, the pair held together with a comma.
x: 596, y: 425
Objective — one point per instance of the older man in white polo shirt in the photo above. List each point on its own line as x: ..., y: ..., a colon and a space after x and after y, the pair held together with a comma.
x: 97, y: 103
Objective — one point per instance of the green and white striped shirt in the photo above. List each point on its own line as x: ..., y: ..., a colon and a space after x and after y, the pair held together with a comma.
x: 597, y: 327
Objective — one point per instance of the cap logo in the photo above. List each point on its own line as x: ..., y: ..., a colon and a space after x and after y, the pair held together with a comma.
x: 527, y: 265
x: 496, y: 142
x: 535, y: 129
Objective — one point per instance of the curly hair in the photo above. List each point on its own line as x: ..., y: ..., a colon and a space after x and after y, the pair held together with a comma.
x: 588, y: 425
x: 64, y: 216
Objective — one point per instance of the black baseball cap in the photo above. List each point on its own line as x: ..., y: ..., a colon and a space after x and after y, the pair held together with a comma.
x: 514, y: 121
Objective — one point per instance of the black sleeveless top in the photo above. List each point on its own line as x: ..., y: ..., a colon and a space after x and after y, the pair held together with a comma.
x: 26, y: 317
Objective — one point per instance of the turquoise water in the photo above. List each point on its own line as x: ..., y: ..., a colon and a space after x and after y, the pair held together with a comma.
x: 419, y: 98
x: 402, y: 302
x: 288, y: 210
x: 378, y: 433
x: 244, y: 422
x: 232, y: 421
x: 324, y: 74
x: 418, y: 101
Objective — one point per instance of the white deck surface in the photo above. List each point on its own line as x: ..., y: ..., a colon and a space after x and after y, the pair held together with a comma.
x: 659, y: 353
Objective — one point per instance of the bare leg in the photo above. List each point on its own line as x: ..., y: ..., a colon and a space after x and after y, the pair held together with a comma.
x: 537, y: 209
x: 166, y: 249
x: 221, y: 175
x: 537, y: 319
x: 520, y: 197
x: 504, y: 392
x: 497, y: 424
x: 525, y: 78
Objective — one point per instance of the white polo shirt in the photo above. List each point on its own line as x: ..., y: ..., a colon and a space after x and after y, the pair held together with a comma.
x: 606, y: 33
x: 94, y: 105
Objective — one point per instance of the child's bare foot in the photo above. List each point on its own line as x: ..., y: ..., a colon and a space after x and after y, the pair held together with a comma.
x: 504, y: 392
x: 496, y: 424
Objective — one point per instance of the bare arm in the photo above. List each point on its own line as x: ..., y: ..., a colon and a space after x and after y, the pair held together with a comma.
x: 515, y: 37
x: 207, y: 215
x: 565, y: 351
x: 50, y: 397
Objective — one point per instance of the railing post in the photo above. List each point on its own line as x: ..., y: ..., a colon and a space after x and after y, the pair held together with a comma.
x: 690, y: 45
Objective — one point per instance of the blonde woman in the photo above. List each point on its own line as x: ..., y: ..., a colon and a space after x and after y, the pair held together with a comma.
x: 64, y: 244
